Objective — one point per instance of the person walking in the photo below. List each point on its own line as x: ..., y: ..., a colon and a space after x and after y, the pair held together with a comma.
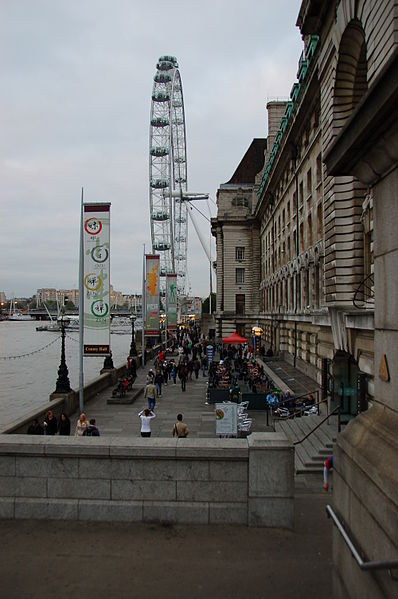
x: 150, y: 394
x: 183, y: 373
x: 173, y: 372
x: 146, y: 417
x: 158, y: 381
x: 196, y: 367
x: 180, y: 429
x: 203, y: 363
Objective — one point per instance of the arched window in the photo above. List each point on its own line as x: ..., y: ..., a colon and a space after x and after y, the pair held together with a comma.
x: 351, y: 74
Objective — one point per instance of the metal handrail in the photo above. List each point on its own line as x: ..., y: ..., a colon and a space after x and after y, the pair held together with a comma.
x: 369, y: 565
x: 317, y: 426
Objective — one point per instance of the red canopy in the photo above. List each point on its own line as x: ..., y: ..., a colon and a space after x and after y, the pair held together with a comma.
x: 234, y: 338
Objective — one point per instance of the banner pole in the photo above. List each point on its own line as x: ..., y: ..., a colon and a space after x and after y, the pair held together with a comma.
x: 143, y: 303
x: 81, y: 312
x: 166, y: 321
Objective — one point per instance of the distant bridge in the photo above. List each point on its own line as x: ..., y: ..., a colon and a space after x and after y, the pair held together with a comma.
x: 41, y: 314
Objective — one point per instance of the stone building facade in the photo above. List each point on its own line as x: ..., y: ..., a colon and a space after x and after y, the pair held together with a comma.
x: 364, y: 149
x: 324, y: 207
x: 238, y: 248
x: 316, y: 230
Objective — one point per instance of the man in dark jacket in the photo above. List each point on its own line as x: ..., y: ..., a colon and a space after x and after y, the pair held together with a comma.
x: 91, y: 430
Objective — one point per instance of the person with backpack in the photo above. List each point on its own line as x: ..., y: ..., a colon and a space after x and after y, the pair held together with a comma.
x: 91, y: 430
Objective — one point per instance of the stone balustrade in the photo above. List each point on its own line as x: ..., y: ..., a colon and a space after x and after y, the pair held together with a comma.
x: 203, y: 481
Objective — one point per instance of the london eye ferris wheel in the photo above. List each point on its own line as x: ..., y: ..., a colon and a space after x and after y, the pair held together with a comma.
x: 168, y: 172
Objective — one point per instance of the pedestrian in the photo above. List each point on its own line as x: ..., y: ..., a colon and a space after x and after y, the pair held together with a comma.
x: 64, y: 425
x: 150, y: 394
x: 81, y: 425
x: 182, y: 374
x: 146, y: 416
x: 327, y: 466
x: 196, y: 367
x: 150, y: 377
x: 91, y: 430
x: 35, y: 428
x: 180, y: 429
x: 204, y: 364
x: 190, y: 369
x: 50, y: 423
x: 158, y: 381
x: 173, y: 373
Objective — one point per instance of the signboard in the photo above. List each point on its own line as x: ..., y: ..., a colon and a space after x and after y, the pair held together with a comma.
x: 96, y: 279
x: 209, y: 353
x: 152, y: 312
x: 226, y: 419
x: 198, y: 307
x: 171, y: 296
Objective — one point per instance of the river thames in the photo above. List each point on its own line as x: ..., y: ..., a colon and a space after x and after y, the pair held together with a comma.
x: 29, y: 362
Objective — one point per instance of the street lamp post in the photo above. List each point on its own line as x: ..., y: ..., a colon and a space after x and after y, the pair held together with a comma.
x: 257, y: 332
x: 133, y: 349
x: 63, y: 384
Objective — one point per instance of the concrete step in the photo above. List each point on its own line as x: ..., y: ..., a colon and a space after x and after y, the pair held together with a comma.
x: 311, y: 453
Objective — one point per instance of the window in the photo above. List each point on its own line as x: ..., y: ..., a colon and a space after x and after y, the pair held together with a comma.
x: 240, y: 329
x: 319, y: 170
x: 309, y: 183
x: 240, y: 202
x: 319, y: 221
x: 240, y: 276
x: 240, y: 304
x: 239, y: 253
x: 301, y: 237
x: 309, y: 230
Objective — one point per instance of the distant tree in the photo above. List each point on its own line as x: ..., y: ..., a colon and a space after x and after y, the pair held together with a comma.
x: 69, y: 305
x: 51, y: 305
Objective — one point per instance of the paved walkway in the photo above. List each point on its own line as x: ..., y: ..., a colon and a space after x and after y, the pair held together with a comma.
x: 122, y: 419
x: 111, y: 560
x: 47, y: 559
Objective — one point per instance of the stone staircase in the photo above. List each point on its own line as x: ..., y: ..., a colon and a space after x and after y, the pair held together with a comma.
x: 311, y: 453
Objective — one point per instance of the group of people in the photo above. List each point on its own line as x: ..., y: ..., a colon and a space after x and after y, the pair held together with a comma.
x: 237, y: 365
x: 180, y: 429
x: 52, y: 426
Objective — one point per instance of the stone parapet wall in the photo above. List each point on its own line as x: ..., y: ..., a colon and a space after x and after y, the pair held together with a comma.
x: 238, y: 481
x: 365, y: 498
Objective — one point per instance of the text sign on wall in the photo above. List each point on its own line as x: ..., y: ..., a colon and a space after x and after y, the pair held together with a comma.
x: 96, y: 279
x: 152, y: 288
x: 171, y: 295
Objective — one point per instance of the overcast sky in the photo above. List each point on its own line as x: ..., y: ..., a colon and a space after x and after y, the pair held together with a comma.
x: 76, y: 83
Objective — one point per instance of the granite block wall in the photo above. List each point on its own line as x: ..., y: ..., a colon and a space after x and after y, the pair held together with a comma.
x: 236, y: 481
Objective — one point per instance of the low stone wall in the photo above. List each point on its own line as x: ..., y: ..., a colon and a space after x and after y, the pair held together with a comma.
x: 240, y: 481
